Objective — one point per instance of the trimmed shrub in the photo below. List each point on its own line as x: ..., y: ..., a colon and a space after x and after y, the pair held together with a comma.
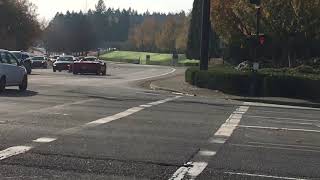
x: 267, y: 82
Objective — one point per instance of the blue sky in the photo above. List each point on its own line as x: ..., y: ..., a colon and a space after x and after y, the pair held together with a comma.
x: 48, y: 8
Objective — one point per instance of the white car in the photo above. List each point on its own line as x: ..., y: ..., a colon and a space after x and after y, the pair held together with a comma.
x: 12, y: 72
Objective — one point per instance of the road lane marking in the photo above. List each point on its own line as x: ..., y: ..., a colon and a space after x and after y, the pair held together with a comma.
x: 44, y: 140
x: 291, y: 119
x: 263, y: 176
x: 12, y: 151
x: 196, y: 169
x: 279, y: 106
x: 207, y: 153
x: 284, y: 145
x: 116, y: 116
x: 193, y: 168
x: 279, y: 129
x: 275, y: 148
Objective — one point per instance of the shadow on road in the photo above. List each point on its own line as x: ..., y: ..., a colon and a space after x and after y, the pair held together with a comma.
x: 17, y: 93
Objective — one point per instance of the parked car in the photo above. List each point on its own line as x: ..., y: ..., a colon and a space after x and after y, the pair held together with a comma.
x: 89, y: 65
x: 12, y: 72
x: 63, y: 63
x: 25, y: 59
x: 54, y: 58
x: 39, y: 61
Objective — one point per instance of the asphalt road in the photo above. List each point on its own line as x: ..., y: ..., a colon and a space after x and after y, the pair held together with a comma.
x: 106, y: 127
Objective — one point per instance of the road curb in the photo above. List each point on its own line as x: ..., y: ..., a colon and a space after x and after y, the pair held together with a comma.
x: 155, y: 87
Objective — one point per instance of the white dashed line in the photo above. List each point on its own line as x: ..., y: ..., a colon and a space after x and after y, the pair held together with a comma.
x: 44, y: 140
x: 12, y: 151
x: 194, y: 168
x: 263, y: 176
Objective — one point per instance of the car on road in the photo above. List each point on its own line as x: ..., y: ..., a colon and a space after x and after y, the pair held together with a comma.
x: 63, y: 63
x: 25, y: 59
x: 39, y: 61
x: 88, y: 65
x: 12, y: 72
x: 54, y: 58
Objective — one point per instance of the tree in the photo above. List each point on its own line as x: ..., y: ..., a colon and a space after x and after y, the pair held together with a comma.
x: 100, y: 7
x: 194, y: 36
x: 19, y: 27
x: 165, y: 39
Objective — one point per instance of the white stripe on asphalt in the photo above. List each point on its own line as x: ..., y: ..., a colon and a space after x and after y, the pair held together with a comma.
x: 196, y: 169
x: 263, y: 176
x: 13, y: 151
x: 44, y: 140
x: 207, y: 153
x: 280, y: 118
x: 280, y: 129
x: 193, y: 169
x: 279, y: 106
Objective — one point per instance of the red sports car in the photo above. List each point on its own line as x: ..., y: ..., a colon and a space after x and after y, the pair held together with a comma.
x: 89, y: 65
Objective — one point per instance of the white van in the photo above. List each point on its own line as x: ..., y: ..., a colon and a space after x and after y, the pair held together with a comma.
x: 12, y: 72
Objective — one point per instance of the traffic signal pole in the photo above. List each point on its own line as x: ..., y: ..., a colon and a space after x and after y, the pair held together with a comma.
x: 205, y: 33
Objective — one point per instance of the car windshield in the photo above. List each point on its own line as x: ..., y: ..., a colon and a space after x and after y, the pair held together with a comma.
x: 38, y: 58
x: 17, y: 55
x: 90, y: 59
x: 65, y: 59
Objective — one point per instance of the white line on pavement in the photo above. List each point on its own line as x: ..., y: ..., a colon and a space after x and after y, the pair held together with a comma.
x: 263, y: 176
x: 279, y: 106
x: 44, y: 140
x: 12, y: 151
x: 275, y: 148
x: 279, y: 129
x: 193, y: 169
x: 291, y: 119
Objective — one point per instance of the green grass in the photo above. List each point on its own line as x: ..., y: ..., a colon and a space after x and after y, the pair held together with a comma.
x: 155, y: 58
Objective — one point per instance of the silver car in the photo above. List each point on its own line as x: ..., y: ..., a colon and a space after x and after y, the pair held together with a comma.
x: 12, y: 72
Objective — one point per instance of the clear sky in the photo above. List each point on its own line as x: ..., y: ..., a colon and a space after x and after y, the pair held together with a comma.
x: 48, y: 8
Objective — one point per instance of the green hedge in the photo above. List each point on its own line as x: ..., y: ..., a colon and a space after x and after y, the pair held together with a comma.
x: 264, y: 83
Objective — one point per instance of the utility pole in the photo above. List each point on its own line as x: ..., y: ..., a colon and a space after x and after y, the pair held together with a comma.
x: 205, y: 33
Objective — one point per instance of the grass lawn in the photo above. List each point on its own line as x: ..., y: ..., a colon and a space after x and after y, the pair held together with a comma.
x: 155, y: 58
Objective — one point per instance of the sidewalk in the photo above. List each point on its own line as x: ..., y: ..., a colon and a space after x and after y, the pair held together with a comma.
x: 176, y: 83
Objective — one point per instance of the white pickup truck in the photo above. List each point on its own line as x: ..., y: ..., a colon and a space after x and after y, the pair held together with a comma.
x: 12, y: 72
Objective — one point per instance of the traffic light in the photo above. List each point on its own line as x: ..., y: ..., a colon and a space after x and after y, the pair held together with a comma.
x: 256, y: 2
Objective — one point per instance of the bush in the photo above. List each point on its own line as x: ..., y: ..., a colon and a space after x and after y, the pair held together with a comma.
x: 267, y: 82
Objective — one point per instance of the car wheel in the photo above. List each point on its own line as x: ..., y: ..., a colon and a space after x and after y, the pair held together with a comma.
x: 60, y: 70
x: 24, y: 84
x: 2, y: 84
x: 54, y: 70
x: 75, y: 72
